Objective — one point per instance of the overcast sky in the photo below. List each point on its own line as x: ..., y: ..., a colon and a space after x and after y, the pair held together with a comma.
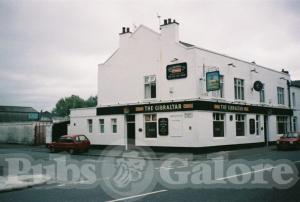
x: 50, y: 49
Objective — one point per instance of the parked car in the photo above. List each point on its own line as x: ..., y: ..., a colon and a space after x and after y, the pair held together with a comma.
x: 290, y: 140
x: 70, y: 143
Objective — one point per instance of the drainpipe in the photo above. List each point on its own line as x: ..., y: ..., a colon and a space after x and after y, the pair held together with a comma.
x: 289, y: 100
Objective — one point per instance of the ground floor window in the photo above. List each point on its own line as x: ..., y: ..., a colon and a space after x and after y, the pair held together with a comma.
x: 150, y: 125
x: 218, y: 124
x: 101, y: 125
x: 90, y: 125
x: 282, y: 124
x: 295, y: 123
x: 240, y: 124
x: 114, y: 126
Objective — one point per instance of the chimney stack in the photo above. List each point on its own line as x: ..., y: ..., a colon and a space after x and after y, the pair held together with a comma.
x: 124, y: 36
x: 169, y: 30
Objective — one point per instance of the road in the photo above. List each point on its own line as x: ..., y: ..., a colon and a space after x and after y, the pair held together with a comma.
x: 187, y: 189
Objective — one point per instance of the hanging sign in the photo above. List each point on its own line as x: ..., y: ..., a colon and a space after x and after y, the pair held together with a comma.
x: 213, y: 81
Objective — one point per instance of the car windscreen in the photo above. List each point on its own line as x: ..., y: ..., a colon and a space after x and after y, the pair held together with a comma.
x: 66, y: 139
x: 291, y: 135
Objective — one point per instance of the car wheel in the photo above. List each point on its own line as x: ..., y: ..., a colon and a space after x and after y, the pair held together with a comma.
x: 52, y: 150
x: 71, y: 151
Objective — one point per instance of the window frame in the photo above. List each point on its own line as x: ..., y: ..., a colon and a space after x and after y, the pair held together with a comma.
x: 114, y: 125
x: 282, y: 120
x: 90, y: 125
x: 101, y: 126
x: 240, y: 118
x: 262, y: 95
x: 150, y: 82
x: 280, y: 96
x: 150, y: 119
x: 219, y: 118
x: 239, y: 89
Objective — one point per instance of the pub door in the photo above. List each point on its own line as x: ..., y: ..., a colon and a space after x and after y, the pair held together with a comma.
x: 130, y: 119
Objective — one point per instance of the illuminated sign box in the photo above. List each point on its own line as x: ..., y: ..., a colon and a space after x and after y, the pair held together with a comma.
x: 177, y: 71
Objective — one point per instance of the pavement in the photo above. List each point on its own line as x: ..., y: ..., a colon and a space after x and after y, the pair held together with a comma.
x: 55, y: 190
x: 10, y: 183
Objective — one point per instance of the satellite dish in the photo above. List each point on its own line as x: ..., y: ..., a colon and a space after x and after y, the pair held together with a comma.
x: 258, y: 85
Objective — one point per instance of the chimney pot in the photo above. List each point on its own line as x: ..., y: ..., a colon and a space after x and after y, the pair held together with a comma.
x: 123, y: 30
x: 128, y: 29
x: 165, y: 21
x: 169, y: 21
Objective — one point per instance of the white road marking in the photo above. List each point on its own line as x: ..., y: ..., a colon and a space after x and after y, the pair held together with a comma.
x: 247, y: 173
x: 136, y: 196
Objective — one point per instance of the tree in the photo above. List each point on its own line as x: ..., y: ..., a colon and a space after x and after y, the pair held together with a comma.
x: 91, y: 101
x: 63, y: 106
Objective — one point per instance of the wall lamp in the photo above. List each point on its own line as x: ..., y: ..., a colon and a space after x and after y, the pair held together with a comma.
x: 231, y: 64
x: 253, y: 70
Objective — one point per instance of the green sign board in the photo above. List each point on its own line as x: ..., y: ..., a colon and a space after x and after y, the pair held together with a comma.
x: 213, y: 81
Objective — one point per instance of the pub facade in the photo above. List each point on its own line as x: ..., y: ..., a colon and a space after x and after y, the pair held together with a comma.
x: 156, y: 90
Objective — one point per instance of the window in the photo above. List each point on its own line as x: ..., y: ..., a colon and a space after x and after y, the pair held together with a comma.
x: 280, y: 95
x: 239, y: 89
x: 150, y: 87
x: 150, y: 125
x: 114, y: 126
x: 294, y: 100
x: 257, y: 124
x: 240, y: 124
x: 219, y: 93
x: 262, y: 94
x: 295, y: 123
x: 281, y: 124
x: 90, y: 125
x: 218, y: 124
x: 101, y: 125
x: 252, y: 126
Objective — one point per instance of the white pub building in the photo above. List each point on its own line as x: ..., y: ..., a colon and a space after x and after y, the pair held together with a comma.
x: 156, y: 90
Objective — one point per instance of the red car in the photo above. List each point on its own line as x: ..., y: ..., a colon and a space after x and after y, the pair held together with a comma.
x: 70, y: 143
x: 290, y: 140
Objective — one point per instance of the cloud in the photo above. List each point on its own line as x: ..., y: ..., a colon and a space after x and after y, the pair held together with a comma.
x: 50, y: 49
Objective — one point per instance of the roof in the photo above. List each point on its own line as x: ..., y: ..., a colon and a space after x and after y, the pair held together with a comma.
x: 17, y: 109
x: 296, y: 83
x: 186, y: 44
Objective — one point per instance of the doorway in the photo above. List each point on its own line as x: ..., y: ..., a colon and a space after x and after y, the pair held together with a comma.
x: 130, y: 119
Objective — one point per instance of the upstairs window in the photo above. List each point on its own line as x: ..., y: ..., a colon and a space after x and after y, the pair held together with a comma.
x: 294, y: 99
x: 280, y: 95
x: 90, y: 125
x: 239, y: 93
x: 262, y: 94
x: 150, y: 86
x: 219, y: 93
